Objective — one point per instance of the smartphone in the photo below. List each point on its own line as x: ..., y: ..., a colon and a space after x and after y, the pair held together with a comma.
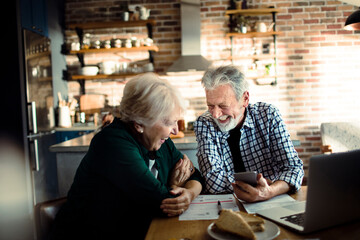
x: 248, y: 177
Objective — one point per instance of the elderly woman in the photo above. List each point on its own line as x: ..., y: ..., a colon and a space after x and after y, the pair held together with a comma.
x: 132, y: 171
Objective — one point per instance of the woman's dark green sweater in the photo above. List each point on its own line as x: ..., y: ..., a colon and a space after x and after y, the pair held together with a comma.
x: 114, y: 193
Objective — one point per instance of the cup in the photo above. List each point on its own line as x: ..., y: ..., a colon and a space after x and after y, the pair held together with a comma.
x: 125, y: 16
x: 181, y: 124
x: 64, y: 117
x: 239, y: 4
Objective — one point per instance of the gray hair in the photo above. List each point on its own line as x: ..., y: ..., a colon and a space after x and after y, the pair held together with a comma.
x: 148, y: 98
x: 230, y: 74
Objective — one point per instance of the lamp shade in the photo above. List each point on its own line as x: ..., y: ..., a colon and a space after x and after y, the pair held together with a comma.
x: 353, y: 21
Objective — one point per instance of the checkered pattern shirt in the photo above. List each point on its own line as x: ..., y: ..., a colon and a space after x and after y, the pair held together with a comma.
x: 265, y: 147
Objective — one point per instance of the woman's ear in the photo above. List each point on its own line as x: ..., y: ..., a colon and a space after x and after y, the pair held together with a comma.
x: 139, y: 128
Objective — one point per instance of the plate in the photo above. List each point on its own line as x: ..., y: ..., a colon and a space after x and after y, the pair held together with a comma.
x: 271, y: 232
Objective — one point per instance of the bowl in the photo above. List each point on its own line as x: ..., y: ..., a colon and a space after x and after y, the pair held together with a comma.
x: 89, y: 70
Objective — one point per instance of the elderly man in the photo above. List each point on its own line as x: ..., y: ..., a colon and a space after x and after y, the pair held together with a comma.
x: 236, y: 136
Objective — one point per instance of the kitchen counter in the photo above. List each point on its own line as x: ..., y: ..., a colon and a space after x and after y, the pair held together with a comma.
x: 81, y: 144
x: 79, y: 127
x: 70, y: 153
x: 76, y: 128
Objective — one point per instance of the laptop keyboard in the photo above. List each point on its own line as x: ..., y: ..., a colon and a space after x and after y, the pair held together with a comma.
x: 297, y: 219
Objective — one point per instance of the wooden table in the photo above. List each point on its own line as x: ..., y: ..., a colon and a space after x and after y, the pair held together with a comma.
x: 173, y: 229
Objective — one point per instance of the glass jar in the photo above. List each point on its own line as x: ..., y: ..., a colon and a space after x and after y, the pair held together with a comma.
x: 86, y: 41
x: 128, y: 43
x: 107, y: 44
x: 116, y: 43
x: 95, y: 44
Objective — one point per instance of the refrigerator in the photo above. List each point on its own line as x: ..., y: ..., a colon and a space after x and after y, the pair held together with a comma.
x: 27, y: 168
x: 40, y: 117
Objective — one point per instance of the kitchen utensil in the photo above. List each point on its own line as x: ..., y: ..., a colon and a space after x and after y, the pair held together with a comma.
x: 261, y: 27
x: 270, y: 27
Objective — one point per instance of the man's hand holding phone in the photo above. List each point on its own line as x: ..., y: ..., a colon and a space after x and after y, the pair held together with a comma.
x: 247, y: 177
x: 252, y: 187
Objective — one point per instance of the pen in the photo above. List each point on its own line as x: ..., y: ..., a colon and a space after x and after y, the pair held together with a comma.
x: 219, y: 207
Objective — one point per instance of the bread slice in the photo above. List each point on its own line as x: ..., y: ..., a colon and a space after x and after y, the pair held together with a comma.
x: 232, y: 222
x: 256, y: 223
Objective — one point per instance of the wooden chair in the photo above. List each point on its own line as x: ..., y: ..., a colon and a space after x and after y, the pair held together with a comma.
x: 45, y: 213
x: 326, y: 149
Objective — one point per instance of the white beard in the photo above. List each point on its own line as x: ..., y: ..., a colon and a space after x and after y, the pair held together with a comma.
x: 229, y: 125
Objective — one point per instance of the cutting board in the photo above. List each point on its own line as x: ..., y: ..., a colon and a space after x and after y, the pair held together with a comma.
x: 91, y: 103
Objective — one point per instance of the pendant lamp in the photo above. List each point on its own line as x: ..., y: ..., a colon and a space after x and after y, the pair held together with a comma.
x: 353, y: 21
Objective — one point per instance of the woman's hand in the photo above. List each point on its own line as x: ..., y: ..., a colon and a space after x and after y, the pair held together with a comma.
x: 183, y: 169
x: 176, y: 206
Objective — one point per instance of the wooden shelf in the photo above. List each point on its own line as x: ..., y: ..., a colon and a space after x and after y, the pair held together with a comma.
x: 261, y: 77
x: 80, y: 27
x: 253, y: 34
x: 111, y: 50
x: 253, y: 57
x: 253, y: 11
x: 111, y: 24
x: 261, y: 80
x: 101, y: 76
x: 38, y: 55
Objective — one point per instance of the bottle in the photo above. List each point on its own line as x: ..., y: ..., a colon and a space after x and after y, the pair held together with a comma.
x: 244, y: 4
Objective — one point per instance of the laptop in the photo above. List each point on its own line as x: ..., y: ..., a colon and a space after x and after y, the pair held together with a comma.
x: 333, y: 195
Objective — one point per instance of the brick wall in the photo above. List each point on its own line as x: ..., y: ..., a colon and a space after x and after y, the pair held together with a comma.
x: 318, y: 61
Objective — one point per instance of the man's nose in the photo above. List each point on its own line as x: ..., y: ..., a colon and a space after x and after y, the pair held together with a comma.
x: 216, y: 112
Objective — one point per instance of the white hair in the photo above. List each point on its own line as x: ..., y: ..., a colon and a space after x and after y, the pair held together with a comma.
x: 230, y: 74
x: 148, y: 98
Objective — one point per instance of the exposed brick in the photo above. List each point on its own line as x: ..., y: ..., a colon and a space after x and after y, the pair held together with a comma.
x: 313, y: 54
x: 326, y: 9
x: 295, y: 10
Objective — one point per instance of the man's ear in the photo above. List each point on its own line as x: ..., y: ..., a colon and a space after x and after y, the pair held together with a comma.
x: 246, y: 97
x: 138, y: 127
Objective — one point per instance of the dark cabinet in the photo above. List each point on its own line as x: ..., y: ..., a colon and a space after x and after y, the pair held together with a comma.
x: 34, y: 16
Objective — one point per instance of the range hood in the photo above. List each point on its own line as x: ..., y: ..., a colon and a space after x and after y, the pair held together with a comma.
x: 191, y: 59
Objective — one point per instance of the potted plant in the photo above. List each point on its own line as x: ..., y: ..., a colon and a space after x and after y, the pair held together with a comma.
x: 242, y: 24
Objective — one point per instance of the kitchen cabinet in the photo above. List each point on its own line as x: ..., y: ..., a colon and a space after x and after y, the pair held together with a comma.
x: 34, y: 16
x: 81, y: 28
x: 256, y: 56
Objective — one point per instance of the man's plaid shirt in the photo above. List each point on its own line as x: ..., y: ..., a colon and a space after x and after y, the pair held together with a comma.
x: 265, y: 147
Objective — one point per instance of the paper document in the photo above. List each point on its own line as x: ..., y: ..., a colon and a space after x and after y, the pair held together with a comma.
x: 278, y: 201
x: 205, y: 207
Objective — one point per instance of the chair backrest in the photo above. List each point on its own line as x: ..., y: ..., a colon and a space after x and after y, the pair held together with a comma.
x: 45, y: 213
